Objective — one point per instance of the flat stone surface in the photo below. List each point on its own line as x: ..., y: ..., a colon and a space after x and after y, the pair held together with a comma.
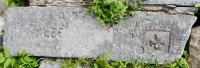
x: 50, y: 64
x: 170, y: 10
x: 83, y: 2
x: 186, y: 10
x: 171, y: 2
x: 194, y: 48
x: 68, y: 32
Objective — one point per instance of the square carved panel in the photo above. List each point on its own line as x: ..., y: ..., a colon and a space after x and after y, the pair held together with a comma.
x: 157, y: 40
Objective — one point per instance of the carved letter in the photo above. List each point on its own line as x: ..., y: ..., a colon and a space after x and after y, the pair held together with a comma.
x: 53, y: 34
x: 61, y: 15
x: 46, y: 32
x: 59, y: 32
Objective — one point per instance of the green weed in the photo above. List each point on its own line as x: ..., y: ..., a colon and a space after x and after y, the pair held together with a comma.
x: 102, y: 62
x: 198, y: 5
x: 70, y: 63
x: 112, y: 11
x: 14, y: 3
x: 179, y: 63
x: 22, y: 60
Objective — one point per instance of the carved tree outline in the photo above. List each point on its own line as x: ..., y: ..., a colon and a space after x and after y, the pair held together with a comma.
x: 89, y: 42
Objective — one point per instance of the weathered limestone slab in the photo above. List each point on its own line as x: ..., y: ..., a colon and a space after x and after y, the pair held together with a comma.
x: 194, y: 48
x: 171, y: 2
x: 186, y: 10
x: 170, y: 10
x: 68, y: 32
x: 84, y: 2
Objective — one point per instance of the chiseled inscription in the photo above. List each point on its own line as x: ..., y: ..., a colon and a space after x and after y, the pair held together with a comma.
x: 52, y: 32
x: 132, y: 29
x: 41, y: 30
x: 158, y: 40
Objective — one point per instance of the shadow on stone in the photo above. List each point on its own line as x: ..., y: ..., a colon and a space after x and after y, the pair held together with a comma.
x: 197, y: 23
x: 1, y: 40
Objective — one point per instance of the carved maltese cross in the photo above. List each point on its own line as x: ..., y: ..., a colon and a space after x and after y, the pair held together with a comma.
x: 156, y: 42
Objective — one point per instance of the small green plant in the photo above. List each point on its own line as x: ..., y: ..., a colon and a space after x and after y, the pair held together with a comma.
x: 70, y: 63
x: 185, y: 53
x: 198, y: 5
x: 14, y: 3
x: 112, y: 11
x: 102, y: 62
x: 45, y: 1
x: 119, y: 64
x: 5, y: 59
x: 179, y: 63
x: 22, y: 60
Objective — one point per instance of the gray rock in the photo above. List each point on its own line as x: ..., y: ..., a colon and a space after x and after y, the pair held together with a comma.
x: 170, y: 10
x: 85, y: 2
x: 171, y: 2
x: 194, y: 48
x: 50, y: 64
x: 186, y: 10
x: 68, y: 32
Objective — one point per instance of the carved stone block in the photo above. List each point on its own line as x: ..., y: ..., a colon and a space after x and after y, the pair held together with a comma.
x: 86, y: 2
x: 68, y: 32
x: 173, y: 2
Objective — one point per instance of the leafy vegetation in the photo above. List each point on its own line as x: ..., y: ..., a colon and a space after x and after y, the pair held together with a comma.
x: 23, y: 60
x: 112, y: 11
x: 70, y: 63
x: 102, y: 62
x: 198, y: 5
x: 14, y: 3
x: 179, y: 63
